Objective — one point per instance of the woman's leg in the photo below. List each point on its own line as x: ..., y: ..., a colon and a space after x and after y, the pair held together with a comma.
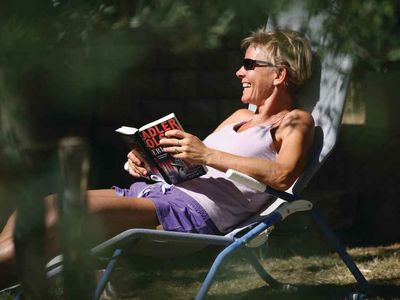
x: 112, y: 213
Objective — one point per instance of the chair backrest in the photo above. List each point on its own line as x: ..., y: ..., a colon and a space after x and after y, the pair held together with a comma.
x: 324, y: 94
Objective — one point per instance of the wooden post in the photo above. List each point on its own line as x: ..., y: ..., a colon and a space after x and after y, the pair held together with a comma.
x: 73, y: 220
x: 29, y: 235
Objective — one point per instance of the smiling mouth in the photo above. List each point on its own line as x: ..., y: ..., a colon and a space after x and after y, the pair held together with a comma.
x: 246, y: 85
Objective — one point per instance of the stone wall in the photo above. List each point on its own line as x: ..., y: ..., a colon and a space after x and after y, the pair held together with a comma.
x: 363, y: 174
x: 201, y: 89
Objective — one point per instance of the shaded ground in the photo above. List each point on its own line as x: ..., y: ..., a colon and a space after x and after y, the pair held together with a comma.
x: 317, y: 276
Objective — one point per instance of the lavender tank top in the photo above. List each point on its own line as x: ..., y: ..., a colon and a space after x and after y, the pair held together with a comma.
x: 226, y: 202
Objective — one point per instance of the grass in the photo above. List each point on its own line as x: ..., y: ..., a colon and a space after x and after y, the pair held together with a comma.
x: 319, y: 276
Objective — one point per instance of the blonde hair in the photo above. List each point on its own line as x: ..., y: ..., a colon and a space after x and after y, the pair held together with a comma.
x: 284, y: 48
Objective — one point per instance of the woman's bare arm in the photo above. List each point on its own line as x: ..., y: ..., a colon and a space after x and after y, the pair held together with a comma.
x: 294, y: 135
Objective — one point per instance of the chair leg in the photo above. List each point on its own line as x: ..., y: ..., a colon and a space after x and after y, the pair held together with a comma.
x: 260, y: 269
x: 330, y: 235
x: 106, y: 276
x: 213, y: 270
x: 272, y: 219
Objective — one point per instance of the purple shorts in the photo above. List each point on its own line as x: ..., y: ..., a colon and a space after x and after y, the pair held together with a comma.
x: 176, y: 210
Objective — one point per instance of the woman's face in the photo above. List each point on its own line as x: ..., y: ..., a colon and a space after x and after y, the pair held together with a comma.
x: 257, y: 83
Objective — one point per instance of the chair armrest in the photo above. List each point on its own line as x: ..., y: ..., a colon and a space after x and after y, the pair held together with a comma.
x: 259, y: 186
x: 245, y: 180
x: 289, y: 208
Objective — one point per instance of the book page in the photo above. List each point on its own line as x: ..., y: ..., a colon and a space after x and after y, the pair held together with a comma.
x: 127, y: 130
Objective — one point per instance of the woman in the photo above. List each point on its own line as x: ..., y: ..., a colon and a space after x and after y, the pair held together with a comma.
x: 271, y: 145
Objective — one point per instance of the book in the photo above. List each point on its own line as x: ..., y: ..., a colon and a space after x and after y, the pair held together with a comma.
x: 144, y: 141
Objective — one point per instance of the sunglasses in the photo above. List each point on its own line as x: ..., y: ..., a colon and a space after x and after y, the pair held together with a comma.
x: 250, y: 64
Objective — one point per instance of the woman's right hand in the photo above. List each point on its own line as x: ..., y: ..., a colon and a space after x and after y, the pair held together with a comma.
x: 136, y: 166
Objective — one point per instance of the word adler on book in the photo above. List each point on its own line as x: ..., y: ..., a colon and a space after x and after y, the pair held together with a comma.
x: 152, y: 135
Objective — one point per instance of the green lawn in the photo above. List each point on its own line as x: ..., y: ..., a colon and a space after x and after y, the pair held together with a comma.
x: 321, y: 276
x: 318, y: 276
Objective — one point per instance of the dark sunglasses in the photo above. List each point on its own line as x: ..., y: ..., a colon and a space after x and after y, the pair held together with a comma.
x: 250, y: 64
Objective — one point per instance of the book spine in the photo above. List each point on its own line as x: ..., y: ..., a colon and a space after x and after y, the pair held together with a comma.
x: 175, y: 170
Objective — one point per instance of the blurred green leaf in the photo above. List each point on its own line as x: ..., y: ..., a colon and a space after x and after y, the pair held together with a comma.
x: 394, y: 54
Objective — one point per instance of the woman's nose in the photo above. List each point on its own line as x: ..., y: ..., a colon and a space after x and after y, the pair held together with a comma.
x: 240, y: 72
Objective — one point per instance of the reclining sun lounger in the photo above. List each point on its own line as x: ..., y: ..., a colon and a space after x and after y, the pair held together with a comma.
x: 324, y: 95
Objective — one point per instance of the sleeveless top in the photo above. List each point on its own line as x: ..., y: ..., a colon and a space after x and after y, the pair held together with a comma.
x: 226, y: 202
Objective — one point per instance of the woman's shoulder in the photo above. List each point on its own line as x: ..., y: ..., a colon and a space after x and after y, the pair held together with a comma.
x: 299, y: 116
x: 241, y: 115
x: 238, y: 116
x: 296, y: 121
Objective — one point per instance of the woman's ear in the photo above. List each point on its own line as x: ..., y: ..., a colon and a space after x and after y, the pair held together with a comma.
x: 280, y: 76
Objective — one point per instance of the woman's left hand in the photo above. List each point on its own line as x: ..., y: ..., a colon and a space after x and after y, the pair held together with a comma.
x: 185, y: 146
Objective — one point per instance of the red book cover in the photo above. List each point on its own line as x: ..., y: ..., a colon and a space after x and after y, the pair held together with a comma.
x: 145, y: 142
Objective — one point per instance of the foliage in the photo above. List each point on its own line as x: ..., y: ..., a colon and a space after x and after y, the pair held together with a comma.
x: 56, y: 56
x: 369, y: 29
x: 64, y: 34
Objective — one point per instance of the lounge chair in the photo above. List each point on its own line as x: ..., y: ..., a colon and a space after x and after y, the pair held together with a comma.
x: 324, y: 95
